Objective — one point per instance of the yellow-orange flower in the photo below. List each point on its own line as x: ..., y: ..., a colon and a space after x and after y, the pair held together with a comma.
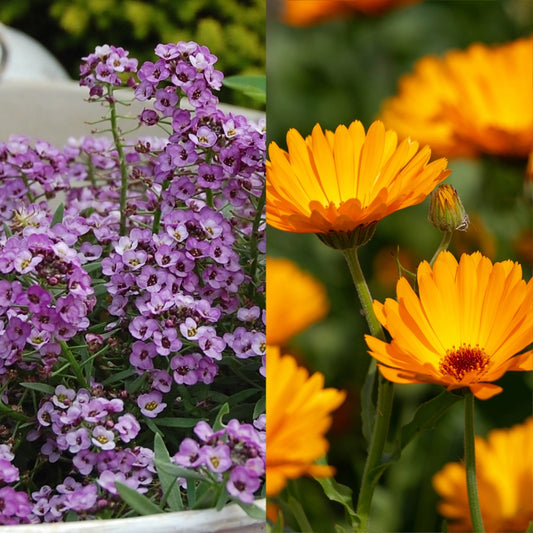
x: 504, y: 467
x: 465, y: 328
x: 295, y: 299
x: 298, y: 416
x: 467, y: 103
x: 309, y: 12
x: 339, y: 181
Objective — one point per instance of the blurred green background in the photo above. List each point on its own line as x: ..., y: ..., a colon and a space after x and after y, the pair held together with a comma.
x: 234, y: 30
x: 339, y: 71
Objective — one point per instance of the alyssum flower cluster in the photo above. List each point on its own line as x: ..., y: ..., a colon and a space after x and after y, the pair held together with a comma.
x: 132, y: 300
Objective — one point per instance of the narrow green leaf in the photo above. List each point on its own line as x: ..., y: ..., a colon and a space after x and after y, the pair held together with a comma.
x: 222, y: 498
x: 58, y: 215
x: 368, y: 407
x: 299, y: 514
x: 41, y: 387
x: 252, y: 510
x: 7, y: 230
x: 174, y: 470
x: 92, y: 267
x: 218, y: 424
x: 171, y: 489
x: 177, y: 422
x: 138, y: 502
x: 119, y: 376
x: 260, y: 407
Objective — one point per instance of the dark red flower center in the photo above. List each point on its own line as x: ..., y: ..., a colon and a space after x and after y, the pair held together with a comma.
x: 464, y: 360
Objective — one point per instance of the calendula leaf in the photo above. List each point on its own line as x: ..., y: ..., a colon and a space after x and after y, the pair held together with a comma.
x: 339, y: 493
x: 425, y: 418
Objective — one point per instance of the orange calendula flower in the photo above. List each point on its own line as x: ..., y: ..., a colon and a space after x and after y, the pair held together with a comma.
x: 295, y: 300
x: 343, y: 181
x: 298, y: 417
x: 465, y: 329
x: 463, y: 104
x: 504, y: 468
x: 309, y: 12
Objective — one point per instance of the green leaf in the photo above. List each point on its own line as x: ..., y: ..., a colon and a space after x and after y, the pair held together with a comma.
x: 177, y: 422
x: 342, y: 494
x: 169, y: 484
x: 7, y: 230
x: 252, y: 510
x: 424, y: 418
x: 368, y: 407
x: 299, y: 514
x: 119, y: 376
x: 138, y: 502
x: 41, y: 387
x: 92, y: 267
x: 252, y: 85
x: 530, y: 528
x: 58, y: 215
x: 217, y: 424
x: 174, y: 470
x: 260, y: 407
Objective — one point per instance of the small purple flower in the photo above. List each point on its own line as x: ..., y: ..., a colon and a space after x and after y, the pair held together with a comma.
x: 184, y: 367
x: 243, y: 483
x: 151, y: 404
x: 189, y: 454
x: 127, y: 427
x: 78, y: 440
x: 218, y: 458
x: 8, y: 472
x: 103, y: 438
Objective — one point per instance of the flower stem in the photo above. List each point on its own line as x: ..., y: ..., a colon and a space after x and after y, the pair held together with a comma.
x: 122, y: 162
x: 372, y: 469
x: 470, y: 464
x: 446, y: 239
x: 363, y: 292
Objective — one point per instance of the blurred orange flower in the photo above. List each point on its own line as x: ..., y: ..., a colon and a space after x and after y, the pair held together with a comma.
x: 471, y: 102
x: 504, y: 467
x: 337, y: 182
x: 295, y: 300
x: 309, y: 12
x: 298, y: 417
x: 465, y: 328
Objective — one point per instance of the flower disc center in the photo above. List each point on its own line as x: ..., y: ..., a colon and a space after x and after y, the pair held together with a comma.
x: 464, y: 360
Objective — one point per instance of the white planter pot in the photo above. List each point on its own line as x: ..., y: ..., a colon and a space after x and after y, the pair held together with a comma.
x: 54, y: 110
x: 231, y: 519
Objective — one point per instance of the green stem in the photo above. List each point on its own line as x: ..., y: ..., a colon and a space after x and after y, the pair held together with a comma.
x: 372, y: 470
x: 73, y: 364
x: 470, y: 464
x: 446, y: 239
x: 363, y: 292
x: 122, y: 161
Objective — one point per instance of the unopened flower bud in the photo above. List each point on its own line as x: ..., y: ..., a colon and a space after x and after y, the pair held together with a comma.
x: 446, y: 211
